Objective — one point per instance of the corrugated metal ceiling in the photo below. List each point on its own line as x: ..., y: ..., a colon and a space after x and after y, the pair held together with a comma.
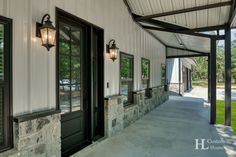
x: 195, y: 19
x: 175, y: 52
x: 189, y: 42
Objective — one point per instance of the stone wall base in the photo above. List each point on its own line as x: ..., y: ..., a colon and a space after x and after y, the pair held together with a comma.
x: 39, y: 137
x: 117, y: 117
x: 174, y: 87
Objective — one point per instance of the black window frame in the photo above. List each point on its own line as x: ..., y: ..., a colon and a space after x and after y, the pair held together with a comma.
x: 130, y: 93
x: 6, y: 85
x: 147, y: 89
x: 163, y: 78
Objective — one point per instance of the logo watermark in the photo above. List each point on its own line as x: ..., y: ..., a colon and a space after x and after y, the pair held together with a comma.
x: 209, y: 144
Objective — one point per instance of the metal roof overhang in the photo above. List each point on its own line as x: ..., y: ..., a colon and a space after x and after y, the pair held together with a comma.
x: 179, y: 24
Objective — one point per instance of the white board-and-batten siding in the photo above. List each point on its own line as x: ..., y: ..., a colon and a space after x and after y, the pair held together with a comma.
x: 34, y: 74
x: 172, y: 72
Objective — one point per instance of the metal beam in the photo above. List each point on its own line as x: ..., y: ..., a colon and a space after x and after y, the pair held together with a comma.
x: 213, y: 81
x: 232, y: 7
x: 130, y: 12
x: 154, y: 36
x: 232, y: 17
x: 206, y: 29
x: 186, y: 56
x: 177, y: 31
x: 232, y: 12
x: 161, y: 23
x: 218, y: 37
x: 228, y: 76
x: 194, y: 51
x: 203, y: 7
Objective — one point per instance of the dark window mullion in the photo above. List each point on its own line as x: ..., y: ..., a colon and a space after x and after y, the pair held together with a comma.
x: 74, y: 55
x: 70, y: 74
x: 68, y: 55
x: 64, y: 55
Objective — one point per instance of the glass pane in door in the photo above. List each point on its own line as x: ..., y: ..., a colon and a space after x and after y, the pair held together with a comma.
x: 69, y: 68
x: 76, y: 84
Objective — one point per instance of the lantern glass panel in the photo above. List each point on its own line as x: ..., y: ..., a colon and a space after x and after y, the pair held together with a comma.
x: 48, y: 36
x: 113, y: 53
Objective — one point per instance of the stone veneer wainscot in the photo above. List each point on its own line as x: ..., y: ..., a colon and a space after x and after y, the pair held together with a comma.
x: 174, y: 87
x: 117, y: 117
x: 39, y: 137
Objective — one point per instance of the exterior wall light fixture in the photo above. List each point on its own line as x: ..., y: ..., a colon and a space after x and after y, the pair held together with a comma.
x: 112, y: 50
x: 46, y: 31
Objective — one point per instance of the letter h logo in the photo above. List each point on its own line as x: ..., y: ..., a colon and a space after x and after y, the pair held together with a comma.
x: 200, y: 144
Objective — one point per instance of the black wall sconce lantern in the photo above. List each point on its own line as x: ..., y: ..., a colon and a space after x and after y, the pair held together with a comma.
x: 112, y: 50
x: 46, y: 31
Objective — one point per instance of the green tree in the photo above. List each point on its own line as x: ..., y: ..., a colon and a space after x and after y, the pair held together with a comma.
x: 233, y: 60
x: 145, y: 68
x: 200, y: 70
x: 125, y: 67
x: 220, y: 63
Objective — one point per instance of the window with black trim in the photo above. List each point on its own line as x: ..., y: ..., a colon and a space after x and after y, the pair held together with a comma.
x: 126, y: 77
x: 5, y: 84
x: 145, y: 68
x: 163, y: 74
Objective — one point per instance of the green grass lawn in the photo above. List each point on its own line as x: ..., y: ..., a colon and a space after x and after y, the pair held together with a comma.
x: 220, y: 113
x: 204, y: 83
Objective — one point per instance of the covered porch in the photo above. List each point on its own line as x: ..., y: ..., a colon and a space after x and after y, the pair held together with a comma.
x: 90, y: 75
x: 169, y: 130
x: 192, y: 29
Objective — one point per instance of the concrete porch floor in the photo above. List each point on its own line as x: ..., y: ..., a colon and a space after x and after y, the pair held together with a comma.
x: 168, y: 131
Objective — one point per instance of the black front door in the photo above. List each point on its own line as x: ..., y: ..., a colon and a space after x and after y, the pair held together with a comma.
x: 80, y: 81
x: 72, y: 86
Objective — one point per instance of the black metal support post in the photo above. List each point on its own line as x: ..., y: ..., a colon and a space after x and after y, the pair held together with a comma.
x: 209, y: 77
x: 213, y: 81
x: 179, y: 77
x: 228, y: 76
